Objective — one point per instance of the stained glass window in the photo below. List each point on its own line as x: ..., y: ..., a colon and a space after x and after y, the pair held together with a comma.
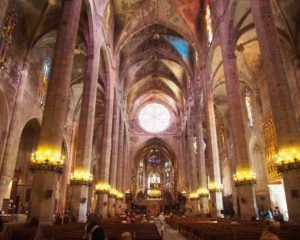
x: 168, y: 174
x: 208, y: 21
x: 154, y: 118
x: 141, y: 175
x: 6, y: 34
x: 154, y: 161
x: 44, y: 79
x: 248, y: 104
x: 181, y: 46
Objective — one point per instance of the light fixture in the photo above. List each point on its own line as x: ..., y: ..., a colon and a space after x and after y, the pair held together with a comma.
x: 203, y: 192
x: 113, y: 192
x: 102, y: 188
x: 215, y: 187
x: 194, y: 196
x: 120, y: 196
x: 105, y: 188
x: 47, y: 160
x: 288, y: 158
x: 244, y: 177
x: 81, y: 177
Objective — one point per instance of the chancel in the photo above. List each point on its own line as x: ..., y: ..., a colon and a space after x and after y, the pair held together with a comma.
x: 174, y: 119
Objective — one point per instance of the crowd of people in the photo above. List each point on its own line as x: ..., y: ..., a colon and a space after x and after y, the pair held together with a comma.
x: 94, y: 231
x: 272, y: 214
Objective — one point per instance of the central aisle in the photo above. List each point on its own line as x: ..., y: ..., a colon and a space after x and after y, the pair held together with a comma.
x: 169, y: 233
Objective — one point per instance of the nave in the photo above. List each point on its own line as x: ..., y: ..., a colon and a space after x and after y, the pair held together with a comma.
x: 190, y: 108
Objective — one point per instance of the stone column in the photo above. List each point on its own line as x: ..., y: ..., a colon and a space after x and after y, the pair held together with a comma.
x: 245, y: 193
x: 49, y: 147
x: 191, y: 154
x: 181, y: 165
x: 82, y: 166
x: 185, y: 160
x: 120, y: 165
x: 126, y: 172
x: 125, y: 176
x: 10, y: 153
x: 200, y: 153
x: 106, y: 146
x: 215, y: 178
x: 212, y: 144
x: 192, y: 158
x: 114, y: 157
x: 283, y: 112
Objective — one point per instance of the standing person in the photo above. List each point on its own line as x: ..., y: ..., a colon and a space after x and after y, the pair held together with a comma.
x: 161, y: 220
x: 269, y: 214
x: 93, y: 230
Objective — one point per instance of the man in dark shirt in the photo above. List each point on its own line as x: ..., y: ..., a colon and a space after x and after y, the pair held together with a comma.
x: 93, y: 229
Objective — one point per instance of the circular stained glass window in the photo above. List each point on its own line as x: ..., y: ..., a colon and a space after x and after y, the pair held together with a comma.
x: 154, y: 118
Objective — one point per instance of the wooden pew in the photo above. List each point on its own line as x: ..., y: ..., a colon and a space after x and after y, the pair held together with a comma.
x: 208, y: 229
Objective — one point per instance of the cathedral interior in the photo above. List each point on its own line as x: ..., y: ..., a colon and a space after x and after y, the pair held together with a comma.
x: 189, y: 107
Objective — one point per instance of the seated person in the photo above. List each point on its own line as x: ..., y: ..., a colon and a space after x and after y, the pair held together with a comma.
x: 126, y: 236
x: 117, y: 219
x: 272, y: 231
x: 66, y: 220
x: 144, y: 219
x: 92, y: 229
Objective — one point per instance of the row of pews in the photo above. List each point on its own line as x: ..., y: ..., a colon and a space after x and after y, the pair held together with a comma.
x: 75, y: 231
x: 208, y: 229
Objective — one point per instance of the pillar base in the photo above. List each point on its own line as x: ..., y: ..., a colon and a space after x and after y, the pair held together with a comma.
x: 102, y: 204
x: 5, y: 188
x: 204, y: 208
x: 246, y: 202
x: 78, y: 202
x: 111, y: 206
x: 217, y: 204
x: 292, y: 193
x: 42, y: 200
x: 119, y: 206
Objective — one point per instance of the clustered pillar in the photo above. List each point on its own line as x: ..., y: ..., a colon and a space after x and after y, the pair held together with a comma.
x: 81, y: 177
x: 287, y: 132
x: 114, y: 157
x: 102, y: 203
x: 244, y: 178
x: 48, y: 155
x: 120, y: 165
x: 202, y: 178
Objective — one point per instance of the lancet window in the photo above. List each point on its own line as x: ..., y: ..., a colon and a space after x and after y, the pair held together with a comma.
x: 141, y: 174
x: 168, y: 174
x: 248, y: 104
x: 44, y: 79
x: 208, y: 21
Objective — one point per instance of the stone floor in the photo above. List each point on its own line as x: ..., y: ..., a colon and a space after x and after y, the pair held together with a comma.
x: 170, y: 233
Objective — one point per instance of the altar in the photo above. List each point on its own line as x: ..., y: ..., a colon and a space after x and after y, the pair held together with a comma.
x: 154, y: 206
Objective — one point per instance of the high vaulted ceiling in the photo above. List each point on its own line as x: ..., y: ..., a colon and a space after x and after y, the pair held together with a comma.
x: 154, y: 43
